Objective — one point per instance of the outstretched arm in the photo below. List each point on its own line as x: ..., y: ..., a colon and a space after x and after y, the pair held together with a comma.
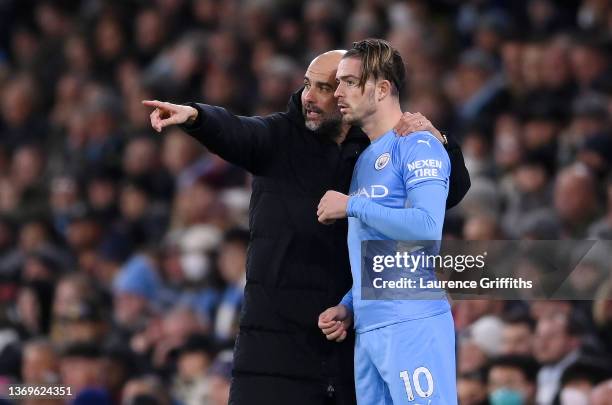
x: 245, y: 141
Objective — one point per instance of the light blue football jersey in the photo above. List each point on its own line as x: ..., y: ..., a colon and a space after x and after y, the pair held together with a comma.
x: 398, y: 192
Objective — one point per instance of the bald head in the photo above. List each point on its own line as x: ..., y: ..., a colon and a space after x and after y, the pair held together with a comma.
x: 319, y: 106
x: 327, y: 62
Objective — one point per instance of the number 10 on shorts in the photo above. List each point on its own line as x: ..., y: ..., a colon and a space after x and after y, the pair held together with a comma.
x: 416, y: 383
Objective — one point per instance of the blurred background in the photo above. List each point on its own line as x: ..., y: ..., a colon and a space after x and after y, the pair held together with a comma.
x: 122, y: 251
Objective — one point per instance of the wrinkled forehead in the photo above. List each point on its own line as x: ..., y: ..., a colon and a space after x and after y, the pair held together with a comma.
x: 322, y: 71
x: 322, y: 76
x: 323, y: 67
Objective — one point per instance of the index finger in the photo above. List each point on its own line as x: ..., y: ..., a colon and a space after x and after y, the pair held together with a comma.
x: 154, y: 103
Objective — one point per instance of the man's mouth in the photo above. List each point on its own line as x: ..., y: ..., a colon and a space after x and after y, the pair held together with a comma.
x: 313, y: 113
x: 343, y: 107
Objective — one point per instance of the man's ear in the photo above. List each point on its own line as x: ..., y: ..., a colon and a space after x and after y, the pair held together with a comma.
x: 383, y: 89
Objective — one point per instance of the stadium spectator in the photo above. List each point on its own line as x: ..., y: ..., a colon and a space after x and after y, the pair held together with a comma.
x: 575, y: 200
x: 580, y: 378
x: 590, y: 62
x: 33, y: 306
x: 556, y: 346
x: 479, y: 342
x: 220, y: 377
x: 147, y: 389
x: 517, y: 335
x: 136, y: 289
x: 39, y: 363
x: 472, y: 388
x: 81, y: 369
x: 512, y: 379
x: 232, y: 268
x: 191, y: 385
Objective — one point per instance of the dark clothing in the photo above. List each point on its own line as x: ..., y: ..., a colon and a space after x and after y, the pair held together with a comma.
x: 296, y: 267
x: 263, y: 389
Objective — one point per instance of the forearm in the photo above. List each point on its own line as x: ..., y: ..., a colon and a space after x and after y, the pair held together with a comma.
x: 239, y: 140
x: 202, y: 126
x: 395, y: 223
x: 421, y: 222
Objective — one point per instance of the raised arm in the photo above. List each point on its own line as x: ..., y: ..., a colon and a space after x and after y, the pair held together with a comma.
x: 245, y: 141
x: 422, y: 221
x: 425, y: 169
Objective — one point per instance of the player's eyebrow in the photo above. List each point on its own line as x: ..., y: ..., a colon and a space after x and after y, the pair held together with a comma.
x: 345, y: 77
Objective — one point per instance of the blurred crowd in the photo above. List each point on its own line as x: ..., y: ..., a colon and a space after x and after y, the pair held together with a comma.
x: 122, y: 251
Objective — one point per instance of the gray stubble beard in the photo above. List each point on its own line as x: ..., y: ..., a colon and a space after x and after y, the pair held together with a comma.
x: 329, y: 127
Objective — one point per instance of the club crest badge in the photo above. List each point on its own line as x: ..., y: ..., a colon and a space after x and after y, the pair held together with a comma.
x: 382, y: 161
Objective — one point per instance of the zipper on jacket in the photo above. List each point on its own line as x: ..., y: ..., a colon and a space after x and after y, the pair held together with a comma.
x: 330, y: 390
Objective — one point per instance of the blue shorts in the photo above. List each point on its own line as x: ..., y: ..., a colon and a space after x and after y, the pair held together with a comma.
x: 411, y: 362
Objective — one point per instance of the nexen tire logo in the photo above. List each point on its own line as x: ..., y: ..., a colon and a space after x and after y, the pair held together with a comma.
x: 373, y: 191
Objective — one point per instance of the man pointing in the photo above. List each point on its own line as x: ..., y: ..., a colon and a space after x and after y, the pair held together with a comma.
x: 296, y: 267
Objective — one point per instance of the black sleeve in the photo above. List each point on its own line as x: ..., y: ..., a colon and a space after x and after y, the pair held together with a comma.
x: 459, y: 183
x: 247, y: 142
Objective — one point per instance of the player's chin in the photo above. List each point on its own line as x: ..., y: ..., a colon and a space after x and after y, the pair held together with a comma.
x: 348, y: 119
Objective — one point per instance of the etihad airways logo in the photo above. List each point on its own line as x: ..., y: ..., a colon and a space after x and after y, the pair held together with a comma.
x: 373, y: 191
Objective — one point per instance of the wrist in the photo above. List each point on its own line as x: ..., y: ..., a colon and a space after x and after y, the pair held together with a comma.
x: 193, y: 115
x: 348, y: 206
x: 345, y: 312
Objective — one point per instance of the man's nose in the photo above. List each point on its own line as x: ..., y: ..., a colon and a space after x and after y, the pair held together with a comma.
x: 338, y: 91
x: 308, y: 94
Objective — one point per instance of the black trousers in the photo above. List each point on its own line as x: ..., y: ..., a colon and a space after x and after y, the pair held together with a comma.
x: 254, y: 389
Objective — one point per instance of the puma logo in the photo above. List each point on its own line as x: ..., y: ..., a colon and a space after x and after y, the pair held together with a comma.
x: 424, y: 141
